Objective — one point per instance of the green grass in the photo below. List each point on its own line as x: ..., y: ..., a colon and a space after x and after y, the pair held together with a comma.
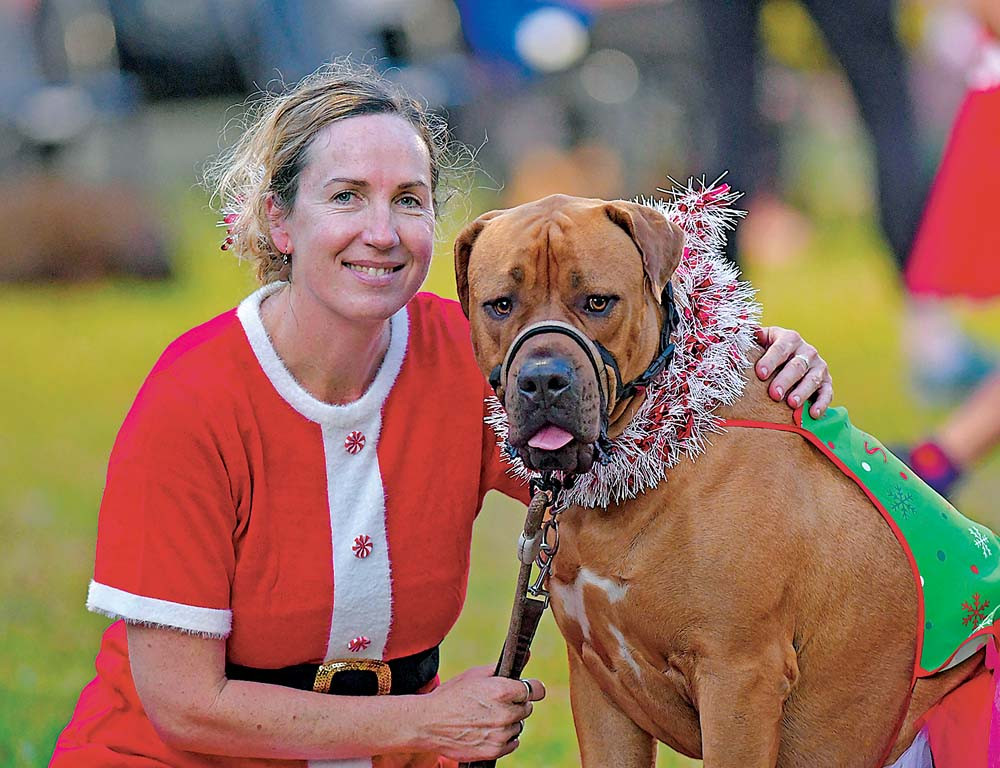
x: 75, y: 356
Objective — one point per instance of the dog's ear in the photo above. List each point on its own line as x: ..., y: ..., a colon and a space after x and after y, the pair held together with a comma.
x: 659, y: 240
x: 463, y: 250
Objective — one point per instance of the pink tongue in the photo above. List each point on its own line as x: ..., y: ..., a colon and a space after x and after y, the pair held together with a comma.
x: 550, y: 438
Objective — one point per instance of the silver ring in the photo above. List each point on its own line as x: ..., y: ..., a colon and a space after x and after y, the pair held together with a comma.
x: 528, y: 688
x: 805, y: 360
x: 520, y: 730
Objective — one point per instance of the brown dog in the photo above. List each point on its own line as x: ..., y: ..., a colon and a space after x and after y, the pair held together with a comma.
x: 706, y: 612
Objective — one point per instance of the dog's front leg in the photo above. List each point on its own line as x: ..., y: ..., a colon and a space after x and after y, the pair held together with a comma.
x: 740, y: 700
x: 606, y: 734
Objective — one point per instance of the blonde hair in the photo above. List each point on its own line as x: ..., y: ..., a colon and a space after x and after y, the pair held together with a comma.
x: 270, y: 155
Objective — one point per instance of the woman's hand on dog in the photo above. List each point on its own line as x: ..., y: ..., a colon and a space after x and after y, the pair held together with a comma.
x: 801, y: 372
x: 476, y: 716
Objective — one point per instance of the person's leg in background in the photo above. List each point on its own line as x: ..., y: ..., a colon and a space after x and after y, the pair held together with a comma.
x: 732, y: 55
x: 862, y: 35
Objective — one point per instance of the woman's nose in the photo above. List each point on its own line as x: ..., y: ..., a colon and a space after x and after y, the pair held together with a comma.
x: 380, y: 229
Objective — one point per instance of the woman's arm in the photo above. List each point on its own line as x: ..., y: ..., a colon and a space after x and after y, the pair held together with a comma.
x: 181, y: 681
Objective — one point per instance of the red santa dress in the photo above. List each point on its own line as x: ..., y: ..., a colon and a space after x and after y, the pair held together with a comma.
x: 239, y: 506
x: 957, y: 248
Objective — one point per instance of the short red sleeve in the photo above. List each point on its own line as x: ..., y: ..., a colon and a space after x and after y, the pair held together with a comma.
x: 165, y: 551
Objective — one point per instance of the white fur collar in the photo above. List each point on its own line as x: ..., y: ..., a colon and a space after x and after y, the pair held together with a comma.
x: 718, y: 317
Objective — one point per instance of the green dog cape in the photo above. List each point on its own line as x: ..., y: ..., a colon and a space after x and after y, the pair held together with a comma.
x: 955, y: 561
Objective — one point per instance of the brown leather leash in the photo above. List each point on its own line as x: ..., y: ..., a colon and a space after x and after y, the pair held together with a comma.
x: 530, y: 598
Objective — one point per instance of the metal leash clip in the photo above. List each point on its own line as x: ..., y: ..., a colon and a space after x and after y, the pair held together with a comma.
x: 538, y: 549
x: 546, y: 553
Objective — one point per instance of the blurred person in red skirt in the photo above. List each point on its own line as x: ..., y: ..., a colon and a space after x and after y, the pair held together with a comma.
x: 954, y: 252
x: 957, y: 251
x: 862, y: 38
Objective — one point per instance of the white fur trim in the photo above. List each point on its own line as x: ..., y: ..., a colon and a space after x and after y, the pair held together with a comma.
x: 138, y: 609
x: 369, y: 404
x: 362, y: 598
x: 715, y: 309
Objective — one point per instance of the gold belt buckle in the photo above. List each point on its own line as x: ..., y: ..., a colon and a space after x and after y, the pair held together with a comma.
x: 326, y: 671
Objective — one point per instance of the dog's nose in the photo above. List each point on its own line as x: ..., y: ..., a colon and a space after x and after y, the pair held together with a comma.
x: 544, y: 380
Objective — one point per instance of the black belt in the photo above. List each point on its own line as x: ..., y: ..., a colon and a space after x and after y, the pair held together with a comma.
x: 349, y: 677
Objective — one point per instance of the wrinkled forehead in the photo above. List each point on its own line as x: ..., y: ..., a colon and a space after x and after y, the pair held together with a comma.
x: 381, y: 144
x: 554, y: 231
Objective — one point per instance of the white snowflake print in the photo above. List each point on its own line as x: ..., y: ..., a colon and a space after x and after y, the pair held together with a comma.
x: 980, y: 540
x: 901, y: 502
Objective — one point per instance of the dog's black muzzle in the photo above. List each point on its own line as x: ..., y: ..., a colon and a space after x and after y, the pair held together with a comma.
x: 553, y: 390
x: 548, y: 385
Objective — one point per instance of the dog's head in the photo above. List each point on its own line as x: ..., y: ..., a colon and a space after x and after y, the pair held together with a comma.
x: 598, y: 267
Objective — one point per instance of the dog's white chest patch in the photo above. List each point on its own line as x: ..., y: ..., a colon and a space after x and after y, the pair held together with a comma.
x: 571, y: 596
x: 623, y: 649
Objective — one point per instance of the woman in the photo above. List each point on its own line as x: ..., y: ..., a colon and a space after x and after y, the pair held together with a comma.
x: 334, y: 418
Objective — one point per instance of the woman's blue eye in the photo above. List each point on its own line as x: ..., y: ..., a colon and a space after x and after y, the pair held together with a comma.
x: 344, y: 197
x: 410, y: 201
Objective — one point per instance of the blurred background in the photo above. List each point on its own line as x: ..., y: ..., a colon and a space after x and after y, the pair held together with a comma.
x: 831, y: 116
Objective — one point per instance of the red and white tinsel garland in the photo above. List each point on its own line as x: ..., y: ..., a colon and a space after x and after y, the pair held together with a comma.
x: 718, y: 318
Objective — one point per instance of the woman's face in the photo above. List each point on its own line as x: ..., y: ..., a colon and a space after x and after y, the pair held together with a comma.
x: 361, y: 230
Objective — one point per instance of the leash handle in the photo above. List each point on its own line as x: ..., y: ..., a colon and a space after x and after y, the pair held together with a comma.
x: 527, y: 612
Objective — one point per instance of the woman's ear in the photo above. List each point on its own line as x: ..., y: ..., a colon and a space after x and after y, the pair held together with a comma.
x: 277, y: 220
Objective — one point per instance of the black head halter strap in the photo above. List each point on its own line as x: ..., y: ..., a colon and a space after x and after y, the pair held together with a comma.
x: 612, y: 391
x: 594, y: 351
x: 665, y: 354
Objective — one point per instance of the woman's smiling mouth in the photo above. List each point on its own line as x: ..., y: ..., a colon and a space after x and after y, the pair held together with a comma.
x: 372, y: 271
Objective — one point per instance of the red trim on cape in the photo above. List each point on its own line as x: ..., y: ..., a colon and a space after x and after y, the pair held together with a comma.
x: 798, y: 429
x: 951, y: 721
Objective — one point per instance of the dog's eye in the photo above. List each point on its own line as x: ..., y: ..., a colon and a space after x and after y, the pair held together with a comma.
x: 499, y: 307
x: 599, y: 304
